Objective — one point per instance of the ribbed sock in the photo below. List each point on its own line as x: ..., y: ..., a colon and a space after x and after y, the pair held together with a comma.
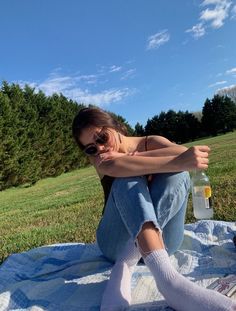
x: 117, y: 294
x: 180, y: 293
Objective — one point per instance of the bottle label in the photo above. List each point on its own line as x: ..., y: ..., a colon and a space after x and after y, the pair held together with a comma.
x: 207, y: 192
x: 202, y: 196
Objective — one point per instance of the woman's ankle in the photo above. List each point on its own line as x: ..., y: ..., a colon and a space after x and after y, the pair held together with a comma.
x: 149, y: 239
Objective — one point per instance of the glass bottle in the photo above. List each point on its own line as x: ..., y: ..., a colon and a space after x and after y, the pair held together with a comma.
x: 201, y: 195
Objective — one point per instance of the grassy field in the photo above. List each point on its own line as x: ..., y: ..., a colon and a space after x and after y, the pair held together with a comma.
x: 68, y: 208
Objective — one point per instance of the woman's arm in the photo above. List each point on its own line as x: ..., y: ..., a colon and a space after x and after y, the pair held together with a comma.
x: 122, y: 165
x: 165, y: 151
x: 158, y: 146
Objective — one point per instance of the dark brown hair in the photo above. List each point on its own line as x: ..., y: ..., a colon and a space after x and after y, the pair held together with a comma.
x: 94, y: 117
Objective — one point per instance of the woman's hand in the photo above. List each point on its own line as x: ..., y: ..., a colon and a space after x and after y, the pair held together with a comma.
x: 194, y: 158
x: 109, y: 155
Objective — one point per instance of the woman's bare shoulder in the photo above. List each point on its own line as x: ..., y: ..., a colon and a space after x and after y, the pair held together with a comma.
x: 156, y: 142
x: 149, y: 142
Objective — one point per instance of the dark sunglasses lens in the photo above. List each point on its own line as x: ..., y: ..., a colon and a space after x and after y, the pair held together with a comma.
x: 102, y: 138
x: 91, y: 150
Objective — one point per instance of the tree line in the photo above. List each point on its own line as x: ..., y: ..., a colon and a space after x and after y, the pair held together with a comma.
x: 218, y: 116
x: 35, y: 135
x: 36, y: 139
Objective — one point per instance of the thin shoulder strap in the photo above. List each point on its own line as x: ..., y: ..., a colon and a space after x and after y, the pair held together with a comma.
x: 146, y: 143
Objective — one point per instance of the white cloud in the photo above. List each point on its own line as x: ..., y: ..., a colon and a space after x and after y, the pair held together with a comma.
x: 213, y: 16
x: 89, y: 79
x: 158, y: 39
x: 56, y: 84
x: 21, y: 83
x: 231, y: 71
x: 70, y: 87
x: 128, y: 74
x: 233, y: 12
x: 102, y: 98
x: 213, y: 2
x: 217, y: 83
x: 197, y: 30
x: 124, y: 73
x: 115, y: 68
x: 217, y: 15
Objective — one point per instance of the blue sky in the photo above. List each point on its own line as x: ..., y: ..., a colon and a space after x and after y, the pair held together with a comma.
x: 133, y: 57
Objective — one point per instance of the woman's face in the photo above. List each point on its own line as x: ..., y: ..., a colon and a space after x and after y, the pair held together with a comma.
x: 98, y: 140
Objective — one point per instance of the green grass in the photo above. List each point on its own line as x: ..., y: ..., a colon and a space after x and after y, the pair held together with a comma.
x: 62, y: 209
x: 68, y: 208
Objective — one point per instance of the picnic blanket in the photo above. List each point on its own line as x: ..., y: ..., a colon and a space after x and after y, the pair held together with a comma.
x: 73, y: 276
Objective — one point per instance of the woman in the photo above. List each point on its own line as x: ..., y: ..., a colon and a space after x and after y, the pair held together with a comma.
x: 146, y: 189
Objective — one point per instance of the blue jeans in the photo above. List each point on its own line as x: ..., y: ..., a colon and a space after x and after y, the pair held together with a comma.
x: 133, y: 202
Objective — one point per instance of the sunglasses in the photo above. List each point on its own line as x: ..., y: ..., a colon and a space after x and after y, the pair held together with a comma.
x: 102, y: 139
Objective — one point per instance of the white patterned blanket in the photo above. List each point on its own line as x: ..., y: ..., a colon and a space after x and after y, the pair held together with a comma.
x: 72, y: 277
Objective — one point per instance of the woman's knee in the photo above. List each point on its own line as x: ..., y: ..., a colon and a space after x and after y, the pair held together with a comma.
x: 169, y: 194
x: 129, y: 188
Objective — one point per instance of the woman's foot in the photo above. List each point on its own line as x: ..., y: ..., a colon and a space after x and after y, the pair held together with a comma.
x: 117, y: 295
x: 180, y: 293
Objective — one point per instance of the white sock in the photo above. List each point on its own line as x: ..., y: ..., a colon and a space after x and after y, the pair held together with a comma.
x: 117, y: 295
x: 180, y: 293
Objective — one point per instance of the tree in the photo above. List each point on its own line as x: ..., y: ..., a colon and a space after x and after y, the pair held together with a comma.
x: 198, y: 115
x: 178, y: 127
x: 8, y: 148
x: 151, y: 127
x: 35, y: 135
x: 122, y: 120
x: 218, y: 115
x: 187, y: 127
x: 139, y: 130
x: 229, y: 92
